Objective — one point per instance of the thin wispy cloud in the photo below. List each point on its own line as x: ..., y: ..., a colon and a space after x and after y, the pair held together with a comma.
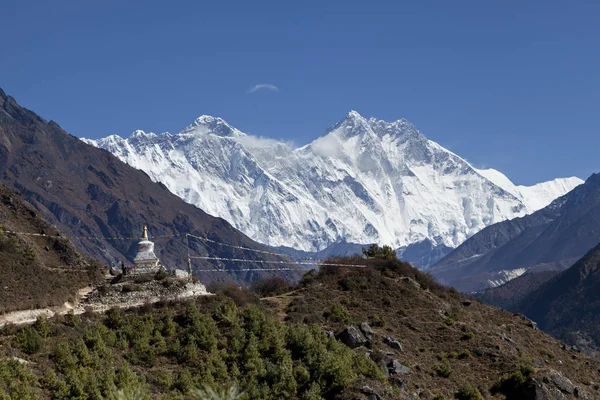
x: 263, y: 86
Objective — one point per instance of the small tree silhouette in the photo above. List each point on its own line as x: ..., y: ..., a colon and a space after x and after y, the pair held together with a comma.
x: 381, y: 253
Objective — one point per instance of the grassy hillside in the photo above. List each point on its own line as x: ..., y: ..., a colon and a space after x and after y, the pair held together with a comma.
x: 427, y: 342
x: 36, y: 271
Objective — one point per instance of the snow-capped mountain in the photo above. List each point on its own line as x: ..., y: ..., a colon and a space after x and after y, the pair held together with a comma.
x: 364, y: 181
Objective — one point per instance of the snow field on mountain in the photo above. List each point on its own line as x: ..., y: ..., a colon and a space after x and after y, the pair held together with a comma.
x: 364, y: 181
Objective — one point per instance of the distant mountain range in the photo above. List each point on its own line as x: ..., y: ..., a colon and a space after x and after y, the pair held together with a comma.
x: 87, y: 194
x: 553, y: 238
x: 565, y: 304
x: 365, y: 181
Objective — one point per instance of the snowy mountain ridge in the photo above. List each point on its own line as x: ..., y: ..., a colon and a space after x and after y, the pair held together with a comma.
x: 364, y: 181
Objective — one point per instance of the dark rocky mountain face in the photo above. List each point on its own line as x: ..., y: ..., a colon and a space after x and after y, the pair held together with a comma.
x: 510, y: 295
x: 552, y: 238
x: 87, y: 192
x: 37, y: 271
x: 568, y: 306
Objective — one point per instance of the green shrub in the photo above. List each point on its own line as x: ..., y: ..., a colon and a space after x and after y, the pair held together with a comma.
x: 17, y: 382
x: 468, y: 392
x: 309, y: 277
x: 135, y: 393
x: 466, y: 353
x: 467, y: 336
x: 270, y: 287
x: 443, y: 369
x: 339, y: 313
x: 29, y: 341
x: 211, y: 341
x: 239, y: 295
x: 207, y: 393
x: 381, y: 253
x: 71, y: 320
x: 41, y: 326
x: 450, y: 319
x: 511, y: 384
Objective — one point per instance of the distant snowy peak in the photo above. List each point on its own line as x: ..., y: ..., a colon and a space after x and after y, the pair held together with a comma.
x: 355, y: 124
x: 363, y: 181
x: 536, y: 196
x: 215, y: 125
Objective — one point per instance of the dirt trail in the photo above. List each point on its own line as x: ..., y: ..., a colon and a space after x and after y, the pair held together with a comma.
x: 80, y: 306
x: 280, y: 303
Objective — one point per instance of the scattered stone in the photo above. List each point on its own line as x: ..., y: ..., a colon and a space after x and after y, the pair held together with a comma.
x: 370, y: 392
x: 395, y: 381
x: 549, y: 385
x: 533, y: 325
x: 382, y: 362
x: 395, y: 367
x: 351, y: 337
x: 329, y: 334
x: 366, y: 330
x: 22, y: 361
x: 367, y: 390
x: 561, y: 382
x: 179, y: 273
x: 393, y: 343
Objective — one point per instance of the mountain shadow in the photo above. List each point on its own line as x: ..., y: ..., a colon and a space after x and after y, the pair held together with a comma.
x: 568, y: 306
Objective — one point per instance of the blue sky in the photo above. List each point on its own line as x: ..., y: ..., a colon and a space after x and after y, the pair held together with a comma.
x: 512, y: 85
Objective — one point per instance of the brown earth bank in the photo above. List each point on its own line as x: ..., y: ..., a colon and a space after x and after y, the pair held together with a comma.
x: 37, y: 272
x: 380, y: 330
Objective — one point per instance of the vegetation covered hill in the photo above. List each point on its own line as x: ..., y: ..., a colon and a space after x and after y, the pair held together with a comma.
x: 37, y: 271
x: 385, y: 331
x: 87, y: 192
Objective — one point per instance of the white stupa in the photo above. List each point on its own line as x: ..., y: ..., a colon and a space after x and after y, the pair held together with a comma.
x: 145, y: 259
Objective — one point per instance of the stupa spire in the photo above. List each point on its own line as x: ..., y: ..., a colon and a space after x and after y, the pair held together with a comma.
x: 145, y: 259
